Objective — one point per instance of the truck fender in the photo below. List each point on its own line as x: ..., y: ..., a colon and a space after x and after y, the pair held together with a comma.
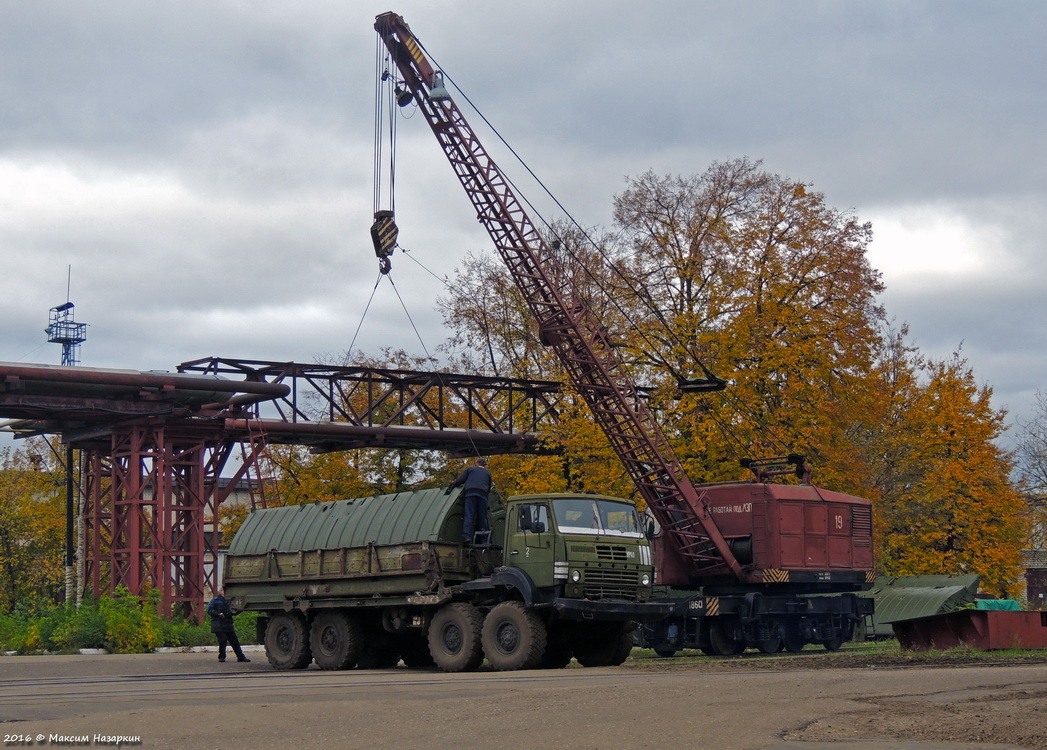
x: 515, y: 578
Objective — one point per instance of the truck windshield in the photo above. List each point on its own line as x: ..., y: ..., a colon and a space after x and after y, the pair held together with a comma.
x: 593, y: 516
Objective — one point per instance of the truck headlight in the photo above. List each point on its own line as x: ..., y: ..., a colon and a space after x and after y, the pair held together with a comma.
x: 645, y: 580
x: 576, y: 575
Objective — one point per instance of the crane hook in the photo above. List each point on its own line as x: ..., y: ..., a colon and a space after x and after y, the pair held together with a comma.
x: 383, y: 235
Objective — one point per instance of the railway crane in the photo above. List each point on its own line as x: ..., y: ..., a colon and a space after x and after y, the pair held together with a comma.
x: 746, y: 564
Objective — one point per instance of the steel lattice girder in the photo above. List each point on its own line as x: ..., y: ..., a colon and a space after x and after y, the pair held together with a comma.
x: 341, y: 408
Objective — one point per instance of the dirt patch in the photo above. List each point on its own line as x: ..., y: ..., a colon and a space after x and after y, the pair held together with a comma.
x: 999, y: 714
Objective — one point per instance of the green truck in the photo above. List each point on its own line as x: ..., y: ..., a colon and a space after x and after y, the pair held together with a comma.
x: 370, y: 581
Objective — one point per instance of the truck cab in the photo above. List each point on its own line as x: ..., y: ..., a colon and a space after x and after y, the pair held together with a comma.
x: 581, y: 546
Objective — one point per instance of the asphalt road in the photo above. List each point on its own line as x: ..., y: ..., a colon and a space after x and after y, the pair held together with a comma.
x: 192, y: 701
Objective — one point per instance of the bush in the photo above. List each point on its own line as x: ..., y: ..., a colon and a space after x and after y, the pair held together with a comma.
x: 14, y: 632
x: 131, y: 624
x: 122, y: 623
x: 84, y: 629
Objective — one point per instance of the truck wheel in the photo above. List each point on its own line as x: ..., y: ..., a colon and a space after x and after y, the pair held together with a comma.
x: 287, y: 642
x: 513, y: 637
x: 454, y: 638
x: 556, y: 656
x: 335, y: 639
x: 558, y: 651
x: 606, y: 646
x: 626, y: 641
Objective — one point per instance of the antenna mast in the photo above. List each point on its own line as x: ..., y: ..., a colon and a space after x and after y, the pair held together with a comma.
x: 63, y: 329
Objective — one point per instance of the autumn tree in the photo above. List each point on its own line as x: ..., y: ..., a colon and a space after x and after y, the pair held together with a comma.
x: 32, y: 526
x: 744, y: 271
x: 1032, y: 471
x: 756, y: 277
x: 944, y: 499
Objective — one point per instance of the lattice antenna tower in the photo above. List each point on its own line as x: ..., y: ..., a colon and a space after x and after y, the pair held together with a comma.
x: 63, y: 329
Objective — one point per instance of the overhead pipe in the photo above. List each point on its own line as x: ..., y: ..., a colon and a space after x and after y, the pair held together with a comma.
x: 36, y: 373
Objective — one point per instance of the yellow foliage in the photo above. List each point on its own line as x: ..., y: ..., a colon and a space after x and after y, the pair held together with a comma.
x: 32, y: 525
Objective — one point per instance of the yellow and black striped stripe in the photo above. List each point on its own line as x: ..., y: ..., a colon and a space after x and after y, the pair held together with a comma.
x: 415, y: 51
x: 773, y: 575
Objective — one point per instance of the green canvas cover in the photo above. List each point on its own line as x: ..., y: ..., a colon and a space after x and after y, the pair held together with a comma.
x: 412, y: 516
x: 909, y: 597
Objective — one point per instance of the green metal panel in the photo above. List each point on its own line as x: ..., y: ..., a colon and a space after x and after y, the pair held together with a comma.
x: 412, y: 516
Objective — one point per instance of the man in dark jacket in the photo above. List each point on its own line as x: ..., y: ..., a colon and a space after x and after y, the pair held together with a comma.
x: 477, y: 480
x: 222, y: 626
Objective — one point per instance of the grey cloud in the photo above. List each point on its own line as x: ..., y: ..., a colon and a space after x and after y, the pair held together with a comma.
x: 222, y: 154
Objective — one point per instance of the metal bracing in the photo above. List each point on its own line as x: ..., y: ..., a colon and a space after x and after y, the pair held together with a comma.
x: 148, y: 500
x: 97, y: 513
x: 354, y: 407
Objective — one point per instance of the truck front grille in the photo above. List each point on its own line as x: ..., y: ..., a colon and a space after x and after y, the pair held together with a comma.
x: 614, y: 552
x: 604, y: 576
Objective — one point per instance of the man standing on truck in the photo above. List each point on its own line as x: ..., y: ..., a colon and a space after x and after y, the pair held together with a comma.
x: 477, y: 480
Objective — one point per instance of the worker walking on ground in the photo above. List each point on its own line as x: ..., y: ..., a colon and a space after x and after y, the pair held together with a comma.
x: 477, y: 481
x: 222, y: 626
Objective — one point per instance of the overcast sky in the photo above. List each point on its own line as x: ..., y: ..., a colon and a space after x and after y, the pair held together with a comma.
x: 206, y: 167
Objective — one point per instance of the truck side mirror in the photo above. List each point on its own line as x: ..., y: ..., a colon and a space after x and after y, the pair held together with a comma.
x: 525, y: 517
x: 649, y: 528
x: 538, y: 527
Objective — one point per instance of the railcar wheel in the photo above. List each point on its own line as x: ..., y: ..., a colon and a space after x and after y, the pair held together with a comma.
x: 794, y: 643
x: 454, y: 638
x: 336, y: 639
x: 723, y: 642
x: 665, y: 652
x: 514, y: 637
x: 834, y: 644
x: 287, y: 641
x: 771, y: 646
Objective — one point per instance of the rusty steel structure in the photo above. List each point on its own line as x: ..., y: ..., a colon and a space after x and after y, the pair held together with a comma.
x: 331, y: 407
x: 157, y: 448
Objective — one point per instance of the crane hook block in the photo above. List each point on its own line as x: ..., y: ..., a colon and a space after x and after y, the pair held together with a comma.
x: 383, y: 235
